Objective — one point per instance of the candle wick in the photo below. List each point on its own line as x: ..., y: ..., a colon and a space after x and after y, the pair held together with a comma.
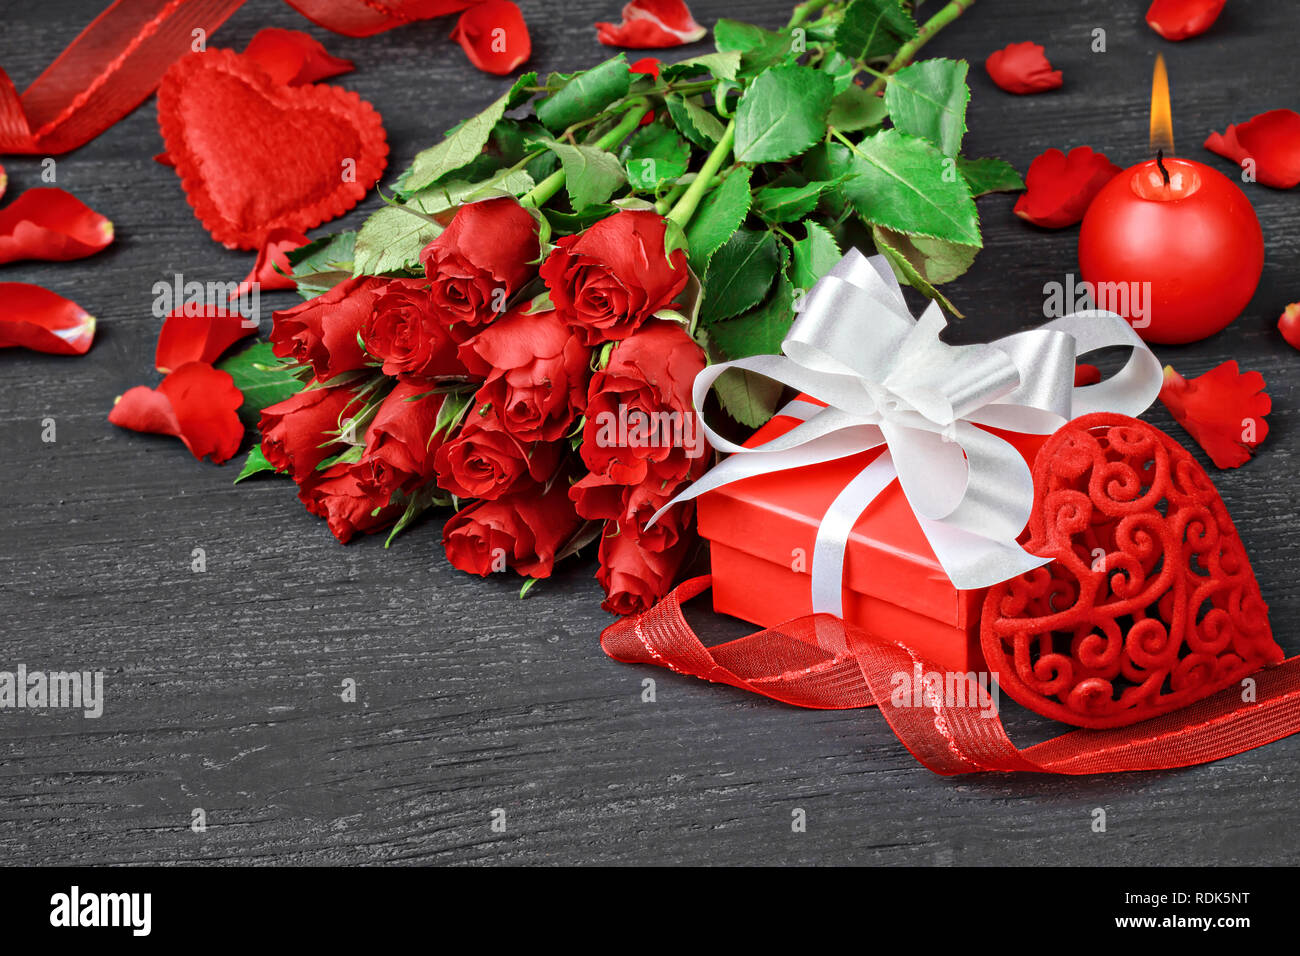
x: 1160, y: 161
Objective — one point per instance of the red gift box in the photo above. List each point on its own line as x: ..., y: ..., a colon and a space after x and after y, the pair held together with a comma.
x: 761, y: 532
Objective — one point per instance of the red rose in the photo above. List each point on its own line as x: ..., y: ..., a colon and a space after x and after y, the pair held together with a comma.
x: 536, y: 373
x: 633, y: 577
x: 640, y: 421
x: 400, y: 443
x: 406, y: 335
x: 487, y: 254
x: 347, y: 504
x: 599, y: 498
x: 522, y: 531
x: 302, y: 431
x: 612, y: 278
x: 486, y: 461
x: 322, y: 332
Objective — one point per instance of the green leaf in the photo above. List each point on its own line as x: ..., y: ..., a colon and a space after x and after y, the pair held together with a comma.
x: 814, y: 255
x: 719, y: 215
x: 254, y: 464
x: 782, y: 113
x: 748, y: 398
x: 740, y: 274
x: 321, y: 265
x: 655, y: 155
x: 904, y: 183
x: 590, y: 175
x: 935, y: 260
x: 788, y: 203
x: 872, y: 29
x: 989, y: 175
x: 259, y: 374
x: 463, y: 144
x: 583, y: 95
x: 724, y: 65
x: 697, y: 124
x: 422, y: 500
x: 856, y: 109
x: 758, y: 48
x: 905, y: 269
x: 929, y: 99
x: 761, y: 330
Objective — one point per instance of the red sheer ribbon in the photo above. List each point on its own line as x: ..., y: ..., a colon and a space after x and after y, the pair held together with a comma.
x: 117, y: 61
x: 819, y: 661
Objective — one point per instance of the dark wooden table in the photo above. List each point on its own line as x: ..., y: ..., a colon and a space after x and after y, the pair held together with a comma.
x: 223, y: 687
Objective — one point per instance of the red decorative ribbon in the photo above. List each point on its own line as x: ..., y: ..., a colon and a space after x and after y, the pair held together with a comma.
x: 117, y: 61
x: 820, y: 661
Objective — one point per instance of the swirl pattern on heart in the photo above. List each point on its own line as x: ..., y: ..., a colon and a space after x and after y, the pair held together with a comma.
x: 1150, y: 602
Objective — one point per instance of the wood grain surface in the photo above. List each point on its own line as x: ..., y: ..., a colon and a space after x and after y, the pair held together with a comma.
x: 223, y: 687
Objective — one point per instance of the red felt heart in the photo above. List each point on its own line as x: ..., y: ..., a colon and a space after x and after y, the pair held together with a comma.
x: 1150, y: 602
x: 254, y: 155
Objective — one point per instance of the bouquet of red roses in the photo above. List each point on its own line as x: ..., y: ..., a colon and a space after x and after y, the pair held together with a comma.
x: 516, y: 332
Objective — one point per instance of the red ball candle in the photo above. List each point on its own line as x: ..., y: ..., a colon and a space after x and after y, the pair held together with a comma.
x: 1175, y: 247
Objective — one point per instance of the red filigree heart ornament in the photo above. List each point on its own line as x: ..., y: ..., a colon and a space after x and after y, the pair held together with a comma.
x: 254, y: 155
x: 1150, y: 602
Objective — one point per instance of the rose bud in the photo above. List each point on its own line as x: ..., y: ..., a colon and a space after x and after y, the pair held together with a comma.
x: 634, y: 578
x: 486, y: 461
x: 609, y: 280
x: 599, y: 498
x: 347, y: 504
x: 485, y: 255
x: 522, y: 531
x: 640, y: 421
x: 302, y: 431
x: 400, y: 443
x: 406, y: 336
x: 322, y: 332
x: 536, y: 373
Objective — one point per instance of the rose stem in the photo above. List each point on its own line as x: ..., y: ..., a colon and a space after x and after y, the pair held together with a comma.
x: 685, y: 208
x: 923, y: 36
x: 548, y: 187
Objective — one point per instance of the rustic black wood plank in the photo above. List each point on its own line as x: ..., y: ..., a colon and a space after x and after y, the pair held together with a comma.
x: 224, y: 687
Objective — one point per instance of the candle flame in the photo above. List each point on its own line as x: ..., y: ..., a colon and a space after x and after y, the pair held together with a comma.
x: 1162, y: 115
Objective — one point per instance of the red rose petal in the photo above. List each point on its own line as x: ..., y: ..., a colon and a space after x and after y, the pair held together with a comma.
x: 35, y: 318
x: 647, y: 66
x: 196, y: 403
x: 1023, y: 68
x: 201, y: 336
x: 51, y: 224
x: 1289, y: 325
x: 1058, y: 188
x: 1223, y: 410
x: 1271, y: 140
x: 1180, y: 19
x: 494, y: 36
x: 272, y: 270
x: 651, y: 24
x: 293, y: 57
x: 1085, y: 374
x: 238, y: 176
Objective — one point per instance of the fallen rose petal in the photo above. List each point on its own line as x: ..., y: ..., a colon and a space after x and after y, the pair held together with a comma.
x: 1059, y: 188
x: 494, y: 36
x: 1023, y: 68
x: 1180, y: 19
x: 1223, y: 410
x: 1085, y: 374
x: 35, y: 318
x: 293, y: 57
x: 646, y: 66
x: 163, y: 159
x: 1289, y: 325
x: 199, y: 334
x: 1271, y: 141
x: 196, y: 403
x: 53, y: 225
x: 272, y: 270
x: 651, y: 24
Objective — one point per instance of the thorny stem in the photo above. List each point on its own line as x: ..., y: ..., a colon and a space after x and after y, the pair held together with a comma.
x: 685, y: 207
x: 548, y: 187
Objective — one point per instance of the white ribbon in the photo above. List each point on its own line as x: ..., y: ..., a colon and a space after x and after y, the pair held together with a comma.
x: 887, y: 379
